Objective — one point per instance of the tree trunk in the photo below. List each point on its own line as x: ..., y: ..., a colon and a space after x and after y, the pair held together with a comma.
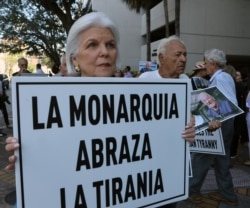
x: 177, y: 17
x: 148, y: 25
x: 165, y: 2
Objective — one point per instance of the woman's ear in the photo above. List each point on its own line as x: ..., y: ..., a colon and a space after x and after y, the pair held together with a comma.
x: 74, y: 61
x: 161, y: 58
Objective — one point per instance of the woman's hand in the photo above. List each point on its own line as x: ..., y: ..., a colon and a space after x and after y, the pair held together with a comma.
x: 11, y: 146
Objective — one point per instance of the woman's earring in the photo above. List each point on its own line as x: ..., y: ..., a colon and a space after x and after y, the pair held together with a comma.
x: 77, y: 68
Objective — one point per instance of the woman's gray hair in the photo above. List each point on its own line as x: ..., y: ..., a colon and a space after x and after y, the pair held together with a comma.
x: 85, y: 22
x: 162, y: 47
x: 62, y: 57
x: 217, y: 56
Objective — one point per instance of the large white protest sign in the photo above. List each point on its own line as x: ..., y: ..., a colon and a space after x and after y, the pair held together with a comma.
x: 209, y: 142
x: 100, y: 142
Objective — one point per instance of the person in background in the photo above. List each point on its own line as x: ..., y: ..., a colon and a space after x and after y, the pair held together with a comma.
x: 62, y: 67
x: 55, y: 69
x: 146, y: 68
x: 4, y: 98
x: 170, y: 66
x: 92, y: 51
x: 1, y: 102
x: 240, y: 124
x: 215, y: 60
x: 127, y: 73
x: 118, y: 73
x: 247, y: 163
x: 171, y: 54
x: 39, y: 69
x: 199, y: 70
x: 199, y: 77
x: 23, y: 67
x: 172, y: 58
x: 239, y: 78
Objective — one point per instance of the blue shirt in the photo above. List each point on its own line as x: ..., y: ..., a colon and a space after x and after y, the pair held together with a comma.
x: 225, y: 83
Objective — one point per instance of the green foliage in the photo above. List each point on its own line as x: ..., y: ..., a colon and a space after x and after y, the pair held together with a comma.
x: 38, y: 27
x: 10, y: 61
x: 135, y: 73
x: 31, y: 67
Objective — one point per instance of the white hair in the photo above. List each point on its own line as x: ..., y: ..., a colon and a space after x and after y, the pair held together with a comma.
x: 217, y: 56
x: 162, y: 47
x: 62, y: 57
x: 84, y: 23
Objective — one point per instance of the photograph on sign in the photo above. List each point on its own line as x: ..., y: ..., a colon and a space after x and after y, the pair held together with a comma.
x: 101, y: 143
x: 211, y: 104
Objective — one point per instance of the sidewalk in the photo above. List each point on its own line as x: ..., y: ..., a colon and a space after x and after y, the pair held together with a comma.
x: 241, y: 179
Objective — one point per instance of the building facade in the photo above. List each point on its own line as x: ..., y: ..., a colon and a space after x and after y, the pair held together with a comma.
x: 206, y: 24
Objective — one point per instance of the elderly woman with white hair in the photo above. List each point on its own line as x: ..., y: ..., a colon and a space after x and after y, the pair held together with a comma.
x: 92, y: 46
x: 91, y: 51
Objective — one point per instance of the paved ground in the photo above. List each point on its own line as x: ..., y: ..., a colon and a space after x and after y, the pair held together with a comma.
x: 241, y: 182
x: 7, y: 179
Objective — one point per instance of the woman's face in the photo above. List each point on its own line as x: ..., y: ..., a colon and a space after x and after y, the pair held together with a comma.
x: 238, y: 77
x: 97, y: 53
x: 63, y: 66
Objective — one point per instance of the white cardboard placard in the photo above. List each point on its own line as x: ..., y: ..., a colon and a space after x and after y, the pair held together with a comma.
x: 209, y: 142
x: 100, y: 142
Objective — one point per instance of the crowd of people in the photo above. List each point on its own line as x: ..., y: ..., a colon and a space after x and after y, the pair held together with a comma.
x: 92, y: 51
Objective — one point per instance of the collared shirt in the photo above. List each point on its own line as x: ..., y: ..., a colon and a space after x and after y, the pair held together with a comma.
x: 39, y: 71
x: 128, y: 75
x: 151, y: 74
x: 225, y: 83
x: 155, y: 75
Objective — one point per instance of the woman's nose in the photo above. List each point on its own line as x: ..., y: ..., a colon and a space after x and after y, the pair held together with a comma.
x: 103, y: 50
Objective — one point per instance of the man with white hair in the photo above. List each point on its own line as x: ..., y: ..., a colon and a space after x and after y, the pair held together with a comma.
x: 215, y: 60
x: 171, y: 54
x: 172, y: 58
